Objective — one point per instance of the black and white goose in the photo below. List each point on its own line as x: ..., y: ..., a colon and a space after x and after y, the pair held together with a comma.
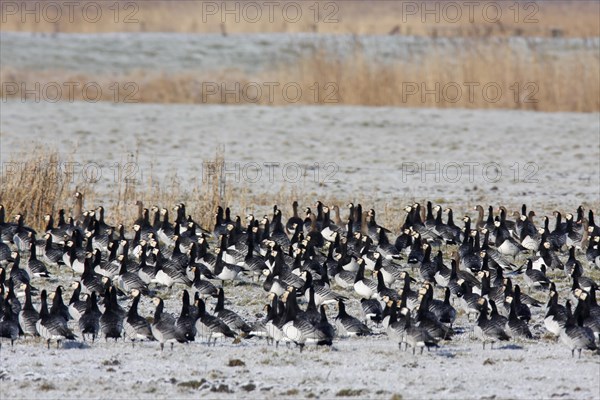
x: 76, y: 305
x: 209, y: 327
x: 229, y: 317
x: 89, y: 321
x: 185, y: 324
x: 417, y: 336
x: 127, y: 281
x: 9, y: 326
x: 294, y: 220
x: 489, y: 330
x: 556, y: 314
x: 168, y: 272
x: 52, y: 326
x: 34, y: 266
x: 111, y: 321
x: 90, y: 280
x: 505, y: 243
x: 275, y: 320
x: 323, y: 295
x: 58, y: 305
x: 136, y: 327
x: 52, y: 254
x: 365, y: 288
x: 515, y: 327
x: 347, y: 325
x: 575, y: 336
x: 28, y: 316
x: 163, y: 326
x: 23, y: 235
x: 204, y: 287
x: 226, y: 271
x: 573, y: 265
x: 74, y: 257
x: 442, y: 309
x: 371, y: 310
x: 297, y: 329
x: 535, y: 278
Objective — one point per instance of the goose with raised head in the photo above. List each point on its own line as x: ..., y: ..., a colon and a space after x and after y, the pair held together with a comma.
x: 34, y: 266
x: 89, y: 322
x: 163, y: 325
x: 323, y: 295
x: 229, y: 317
x: 209, y: 327
x: 294, y: 220
x: 76, y: 305
x: 274, y: 321
x: 365, y: 288
x: 535, y: 278
x: 185, y: 324
x: 111, y: 321
x: 556, y: 314
x: 9, y: 326
x: 296, y: 328
x: 575, y: 336
x: 347, y: 325
x: 515, y: 327
x: 52, y: 326
x: 28, y: 316
x: 136, y: 327
x: 489, y: 330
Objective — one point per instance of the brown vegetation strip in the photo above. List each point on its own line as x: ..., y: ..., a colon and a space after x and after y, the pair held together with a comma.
x: 421, y: 18
x: 487, y: 75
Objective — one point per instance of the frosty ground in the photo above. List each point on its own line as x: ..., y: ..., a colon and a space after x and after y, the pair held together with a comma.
x: 370, y: 146
x: 371, y: 367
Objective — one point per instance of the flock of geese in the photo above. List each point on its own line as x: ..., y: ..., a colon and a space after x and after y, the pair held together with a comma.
x: 500, y: 270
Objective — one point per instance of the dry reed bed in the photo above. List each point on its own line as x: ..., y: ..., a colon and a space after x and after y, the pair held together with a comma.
x: 39, y: 187
x: 533, y: 18
x: 488, y: 74
x: 39, y: 184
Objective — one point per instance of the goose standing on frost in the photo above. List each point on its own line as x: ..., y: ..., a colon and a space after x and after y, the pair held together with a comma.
x: 575, y: 336
x: 111, y: 321
x: 185, y: 325
x: 163, y: 327
x: 275, y: 320
x: 89, y: 322
x: 35, y: 266
x: 347, y: 325
x: 489, y: 330
x: 230, y: 318
x: 52, y: 326
x: 210, y: 327
x: 135, y: 326
x: 9, y: 326
x: 28, y: 316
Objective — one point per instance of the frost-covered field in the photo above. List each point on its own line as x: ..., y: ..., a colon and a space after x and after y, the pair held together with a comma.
x: 372, y: 147
x: 125, y: 52
x: 547, y: 160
